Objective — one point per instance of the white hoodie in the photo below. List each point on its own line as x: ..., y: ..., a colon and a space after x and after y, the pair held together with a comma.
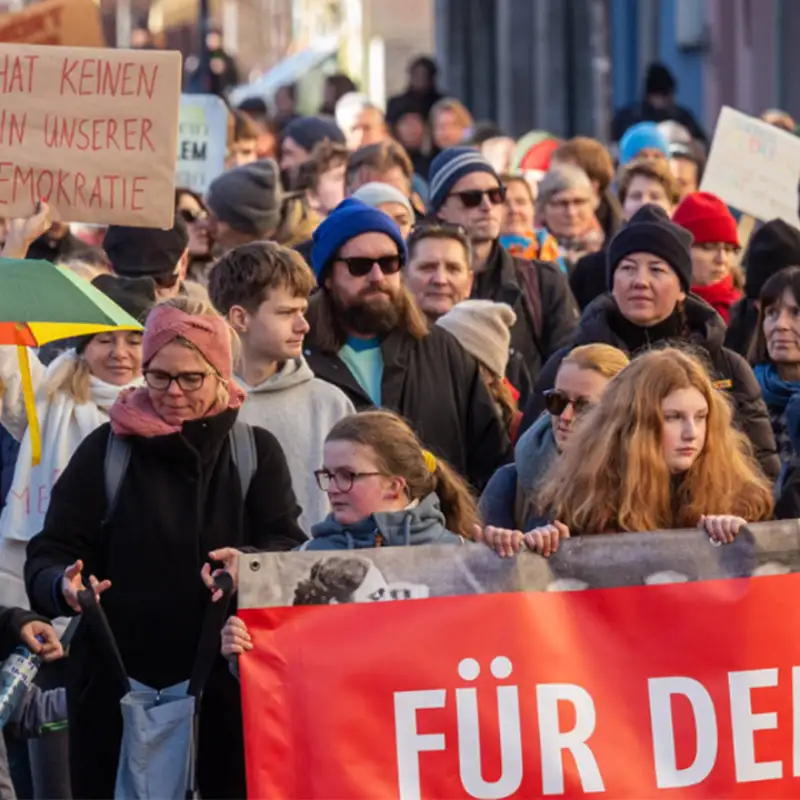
x: 299, y: 410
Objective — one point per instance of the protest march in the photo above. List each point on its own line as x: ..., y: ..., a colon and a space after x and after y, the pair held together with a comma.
x: 355, y: 448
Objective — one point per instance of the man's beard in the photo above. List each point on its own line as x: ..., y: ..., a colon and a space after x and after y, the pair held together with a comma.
x: 373, y: 315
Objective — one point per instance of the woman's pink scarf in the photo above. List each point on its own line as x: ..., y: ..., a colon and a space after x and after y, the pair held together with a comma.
x: 133, y: 413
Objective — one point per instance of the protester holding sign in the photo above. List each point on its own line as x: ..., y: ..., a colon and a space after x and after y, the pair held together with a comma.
x: 776, y: 353
x: 649, y: 277
x: 658, y: 452
x: 183, y: 489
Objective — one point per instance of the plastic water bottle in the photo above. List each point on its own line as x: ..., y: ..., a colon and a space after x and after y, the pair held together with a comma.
x: 16, y: 676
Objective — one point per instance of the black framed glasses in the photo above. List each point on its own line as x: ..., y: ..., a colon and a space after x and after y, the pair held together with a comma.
x: 343, y: 478
x: 472, y: 198
x: 190, y: 217
x: 187, y: 381
x: 359, y: 266
x: 556, y: 402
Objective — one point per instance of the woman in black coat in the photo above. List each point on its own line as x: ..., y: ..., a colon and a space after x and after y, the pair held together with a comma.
x: 649, y: 305
x: 180, y: 497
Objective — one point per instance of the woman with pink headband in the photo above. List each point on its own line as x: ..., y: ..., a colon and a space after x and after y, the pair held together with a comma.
x: 183, y: 498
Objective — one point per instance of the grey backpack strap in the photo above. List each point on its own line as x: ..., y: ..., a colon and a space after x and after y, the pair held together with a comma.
x: 243, y: 451
x: 118, y: 454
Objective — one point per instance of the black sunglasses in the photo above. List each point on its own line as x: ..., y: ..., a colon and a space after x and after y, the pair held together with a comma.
x: 359, y: 266
x: 556, y: 402
x: 472, y: 198
x: 190, y: 217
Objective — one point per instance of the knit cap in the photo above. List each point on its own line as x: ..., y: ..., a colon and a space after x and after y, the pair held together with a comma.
x: 248, y: 198
x: 649, y: 230
x: 375, y: 194
x: 308, y: 131
x: 138, y: 252
x: 707, y: 218
x: 483, y: 328
x: 449, y: 167
x: 642, y: 136
x: 349, y: 219
x: 773, y: 247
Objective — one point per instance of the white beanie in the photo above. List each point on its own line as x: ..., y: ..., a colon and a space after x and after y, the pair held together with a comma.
x: 376, y: 194
x: 483, y: 328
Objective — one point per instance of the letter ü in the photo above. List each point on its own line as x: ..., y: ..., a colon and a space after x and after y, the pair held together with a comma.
x: 469, y: 745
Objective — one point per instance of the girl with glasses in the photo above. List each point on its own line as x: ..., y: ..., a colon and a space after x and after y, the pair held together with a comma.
x: 658, y: 452
x: 509, y: 500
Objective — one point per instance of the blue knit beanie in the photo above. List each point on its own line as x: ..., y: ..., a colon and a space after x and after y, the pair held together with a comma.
x: 642, y: 136
x: 308, y: 131
x: 449, y: 167
x: 349, y: 219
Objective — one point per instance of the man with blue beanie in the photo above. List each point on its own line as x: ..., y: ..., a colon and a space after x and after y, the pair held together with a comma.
x: 643, y: 140
x: 369, y: 338
x: 465, y: 190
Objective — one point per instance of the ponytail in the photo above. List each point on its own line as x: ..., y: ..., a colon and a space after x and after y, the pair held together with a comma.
x: 455, y: 500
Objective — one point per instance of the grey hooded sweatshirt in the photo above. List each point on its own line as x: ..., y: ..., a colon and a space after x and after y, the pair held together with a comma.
x: 300, y: 411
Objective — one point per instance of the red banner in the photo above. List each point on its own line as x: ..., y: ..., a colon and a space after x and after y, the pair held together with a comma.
x: 689, y: 690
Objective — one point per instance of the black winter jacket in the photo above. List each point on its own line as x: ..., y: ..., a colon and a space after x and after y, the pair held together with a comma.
x: 436, y: 386
x: 502, y: 281
x: 742, y: 327
x: 588, y: 279
x: 603, y: 323
x: 180, y: 498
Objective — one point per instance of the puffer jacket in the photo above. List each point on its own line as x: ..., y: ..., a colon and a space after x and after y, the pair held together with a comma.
x: 423, y: 523
x: 602, y: 322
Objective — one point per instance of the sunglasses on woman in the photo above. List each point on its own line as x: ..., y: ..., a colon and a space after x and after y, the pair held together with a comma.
x: 190, y: 217
x: 472, y: 198
x: 359, y: 266
x: 556, y: 402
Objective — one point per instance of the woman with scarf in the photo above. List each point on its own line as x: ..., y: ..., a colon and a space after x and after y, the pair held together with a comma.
x: 649, y: 304
x: 566, y: 205
x: 775, y: 354
x: 73, y: 395
x: 658, y: 452
x: 715, y: 276
x: 181, y: 497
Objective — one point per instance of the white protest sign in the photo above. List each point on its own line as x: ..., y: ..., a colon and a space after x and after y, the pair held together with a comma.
x: 94, y: 132
x: 202, y: 141
x: 754, y: 167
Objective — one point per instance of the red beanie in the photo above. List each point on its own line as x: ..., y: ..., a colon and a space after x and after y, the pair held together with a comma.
x: 707, y: 218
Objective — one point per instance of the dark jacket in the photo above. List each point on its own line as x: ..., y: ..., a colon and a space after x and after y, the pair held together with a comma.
x: 645, y: 112
x: 422, y: 524
x: 588, y: 278
x: 436, y: 386
x: 180, y: 498
x: 502, y: 280
x: 603, y: 323
x: 46, y: 248
x: 742, y: 327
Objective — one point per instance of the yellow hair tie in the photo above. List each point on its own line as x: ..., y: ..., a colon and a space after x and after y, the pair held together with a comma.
x: 430, y: 461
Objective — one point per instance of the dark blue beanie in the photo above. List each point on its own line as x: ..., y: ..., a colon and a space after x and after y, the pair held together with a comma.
x: 308, y: 131
x: 449, y: 167
x: 349, y: 219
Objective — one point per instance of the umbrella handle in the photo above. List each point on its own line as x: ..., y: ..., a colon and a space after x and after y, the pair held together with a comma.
x: 30, y: 404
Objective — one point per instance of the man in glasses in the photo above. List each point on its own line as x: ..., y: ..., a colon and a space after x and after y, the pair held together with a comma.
x: 465, y: 190
x: 369, y: 338
x: 151, y: 253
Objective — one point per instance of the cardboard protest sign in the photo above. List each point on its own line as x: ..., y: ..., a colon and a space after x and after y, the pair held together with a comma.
x: 94, y: 132
x: 74, y: 23
x: 625, y: 666
x: 202, y: 140
x: 754, y: 167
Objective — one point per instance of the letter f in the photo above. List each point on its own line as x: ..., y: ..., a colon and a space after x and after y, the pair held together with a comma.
x: 410, y: 743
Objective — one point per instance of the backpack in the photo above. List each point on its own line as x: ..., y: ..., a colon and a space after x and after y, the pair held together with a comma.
x: 118, y: 454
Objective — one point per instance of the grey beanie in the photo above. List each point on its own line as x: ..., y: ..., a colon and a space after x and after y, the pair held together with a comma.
x: 375, y: 194
x: 248, y: 198
x: 483, y: 328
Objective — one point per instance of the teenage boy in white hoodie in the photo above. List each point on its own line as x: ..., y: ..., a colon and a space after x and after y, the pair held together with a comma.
x: 263, y: 290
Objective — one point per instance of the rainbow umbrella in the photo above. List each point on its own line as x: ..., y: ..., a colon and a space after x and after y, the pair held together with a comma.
x: 41, y: 303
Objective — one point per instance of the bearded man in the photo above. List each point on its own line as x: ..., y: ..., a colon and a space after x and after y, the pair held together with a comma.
x: 369, y: 338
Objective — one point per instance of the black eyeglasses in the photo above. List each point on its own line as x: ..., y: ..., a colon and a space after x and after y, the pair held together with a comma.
x: 359, y: 266
x: 556, y: 402
x: 472, y: 198
x: 187, y: 381
x: 343, y: 478
x: 190, y: 217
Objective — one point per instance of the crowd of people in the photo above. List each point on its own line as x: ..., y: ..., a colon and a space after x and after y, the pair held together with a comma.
x: 384, y: 329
